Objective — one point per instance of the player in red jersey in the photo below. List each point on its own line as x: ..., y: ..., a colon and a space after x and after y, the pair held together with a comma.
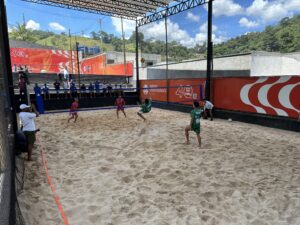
x: 73, y: 110
x: 120, y: 103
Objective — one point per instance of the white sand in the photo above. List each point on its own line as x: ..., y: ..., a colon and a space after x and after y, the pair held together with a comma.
x: 126, y: 172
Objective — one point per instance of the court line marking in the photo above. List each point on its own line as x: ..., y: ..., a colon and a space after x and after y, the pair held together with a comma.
x: 55, y: 196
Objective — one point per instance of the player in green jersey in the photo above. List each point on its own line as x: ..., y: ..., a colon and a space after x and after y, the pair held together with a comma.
x: 195, y: 123
x: 145, y: 108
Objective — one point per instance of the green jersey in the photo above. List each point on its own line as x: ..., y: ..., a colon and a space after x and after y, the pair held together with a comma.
x: 146, y: 107
x: 196, y: 115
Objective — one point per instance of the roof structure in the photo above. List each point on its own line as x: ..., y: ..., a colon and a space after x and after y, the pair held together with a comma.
x: 143, y: 11
x: 129, y: 9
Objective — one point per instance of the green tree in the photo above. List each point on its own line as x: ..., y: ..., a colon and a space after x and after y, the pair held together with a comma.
x: 21, y: 33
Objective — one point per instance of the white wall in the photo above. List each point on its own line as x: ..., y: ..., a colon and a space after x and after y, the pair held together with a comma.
x: 275, y: 64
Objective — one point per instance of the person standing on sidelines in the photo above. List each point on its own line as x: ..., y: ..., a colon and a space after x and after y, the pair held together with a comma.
x: 120, y: 103
x: 194, y: 123
x: 208, y: 107
x: 28, y: 126
x: 74, y: 110
x: 66, y: 77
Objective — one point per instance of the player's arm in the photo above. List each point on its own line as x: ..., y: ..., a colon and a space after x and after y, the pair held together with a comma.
x: 33, y: 108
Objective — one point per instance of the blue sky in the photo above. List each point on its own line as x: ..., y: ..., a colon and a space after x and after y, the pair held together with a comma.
x: 231, y: 18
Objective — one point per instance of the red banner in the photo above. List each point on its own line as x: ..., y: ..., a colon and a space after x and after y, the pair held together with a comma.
x: 97, y: 66
x: 278, y: 96
x: 42, y: 60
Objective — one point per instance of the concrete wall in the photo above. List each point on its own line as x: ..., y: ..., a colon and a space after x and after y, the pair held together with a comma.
x: 275, y: 64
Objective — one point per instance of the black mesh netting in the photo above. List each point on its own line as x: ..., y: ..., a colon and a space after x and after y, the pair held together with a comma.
x: 11, y: 167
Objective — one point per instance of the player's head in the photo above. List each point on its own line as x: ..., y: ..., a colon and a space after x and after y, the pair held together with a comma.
x: 147, y: 101
x: 75, y: 99
x: 119, y: 96
x: 36, y: 84
x: 196, y: 104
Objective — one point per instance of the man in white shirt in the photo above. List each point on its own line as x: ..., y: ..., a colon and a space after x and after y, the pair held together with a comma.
x: 208, y: 106
x: 28, y: 125
x: 66, y: 77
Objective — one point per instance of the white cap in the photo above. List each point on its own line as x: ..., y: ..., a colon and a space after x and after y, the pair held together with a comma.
x: 24, y: 106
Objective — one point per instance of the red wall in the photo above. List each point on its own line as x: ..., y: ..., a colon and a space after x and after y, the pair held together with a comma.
x: 279, y: 96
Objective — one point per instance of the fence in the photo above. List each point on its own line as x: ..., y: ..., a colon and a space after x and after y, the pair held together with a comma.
x: 9, y: 209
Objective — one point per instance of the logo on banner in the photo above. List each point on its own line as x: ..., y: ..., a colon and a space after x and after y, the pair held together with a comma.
x: 186, y: 92
x: 146, y: 90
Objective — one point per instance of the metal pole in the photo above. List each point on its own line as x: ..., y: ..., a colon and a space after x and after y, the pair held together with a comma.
x: 137, y: 59
x: 124, y: 48
x: 209, y: 50
x: 4, y: 51
x: 71, y: 50
x: 78, y: 65
x: 167, y: 60
x: 101, y: 42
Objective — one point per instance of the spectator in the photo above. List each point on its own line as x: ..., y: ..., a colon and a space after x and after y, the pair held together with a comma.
x: 104, y: 89
x: 121, y: 90
x: 56, y: 85
x: 208, y: 107
x: 73, y: 90
x: 22, y: 88
x: 66, y: 77
x: 28, y: 126
x: 37, y: 89
x: 83, y: 90
x: 92, y: 90
x: 109, y: 89
x: 46, y: 92
x: 60, y: 77
x: 97, y: 87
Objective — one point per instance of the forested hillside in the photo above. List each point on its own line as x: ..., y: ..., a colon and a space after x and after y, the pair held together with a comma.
x: 284, y: 37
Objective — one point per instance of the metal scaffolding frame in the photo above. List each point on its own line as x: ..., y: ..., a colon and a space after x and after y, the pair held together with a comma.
x: 128, y: 9
x: 143, y: 12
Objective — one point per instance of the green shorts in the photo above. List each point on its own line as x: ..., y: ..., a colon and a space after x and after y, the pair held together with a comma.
x: 30, y: 135
x: 196, y: 129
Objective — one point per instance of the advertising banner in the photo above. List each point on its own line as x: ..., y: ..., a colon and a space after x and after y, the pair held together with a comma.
x: 275, y: 96
x: 97, y: 66
x: 43, y: 60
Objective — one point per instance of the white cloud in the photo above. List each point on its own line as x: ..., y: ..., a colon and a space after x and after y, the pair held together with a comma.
x: 128, y: 26
x: 86, y: 36
x: 56, y: 26
x: 226, y: 8
x: 268, y: 11
x: 32, y: 25
x: 192, y: 17
x: 244, y: 22
x: 175, y: 33
x: 203, y: 28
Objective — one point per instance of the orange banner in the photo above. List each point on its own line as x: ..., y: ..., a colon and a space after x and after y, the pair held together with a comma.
x: 43, y: 60
x: 97, y: 66
x: 182, y: 91
x: 276, y: 96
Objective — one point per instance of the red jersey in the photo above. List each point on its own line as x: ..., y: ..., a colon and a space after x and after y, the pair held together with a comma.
x: 74, y: 106
x: 120, y: 102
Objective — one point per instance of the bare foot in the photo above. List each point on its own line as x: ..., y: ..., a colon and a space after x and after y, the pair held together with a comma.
x: 187, y: 142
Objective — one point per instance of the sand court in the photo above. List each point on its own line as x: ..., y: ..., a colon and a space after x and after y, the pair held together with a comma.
x: 111, y: 171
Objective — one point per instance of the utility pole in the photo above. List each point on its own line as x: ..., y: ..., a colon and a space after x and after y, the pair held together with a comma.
x: 24, y: 21
x: 78, y: 64
x: 101, y: 46
x: 209, y: 50
x: 71, y: 50
x: 124, y: 47
x: 167, y: 60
